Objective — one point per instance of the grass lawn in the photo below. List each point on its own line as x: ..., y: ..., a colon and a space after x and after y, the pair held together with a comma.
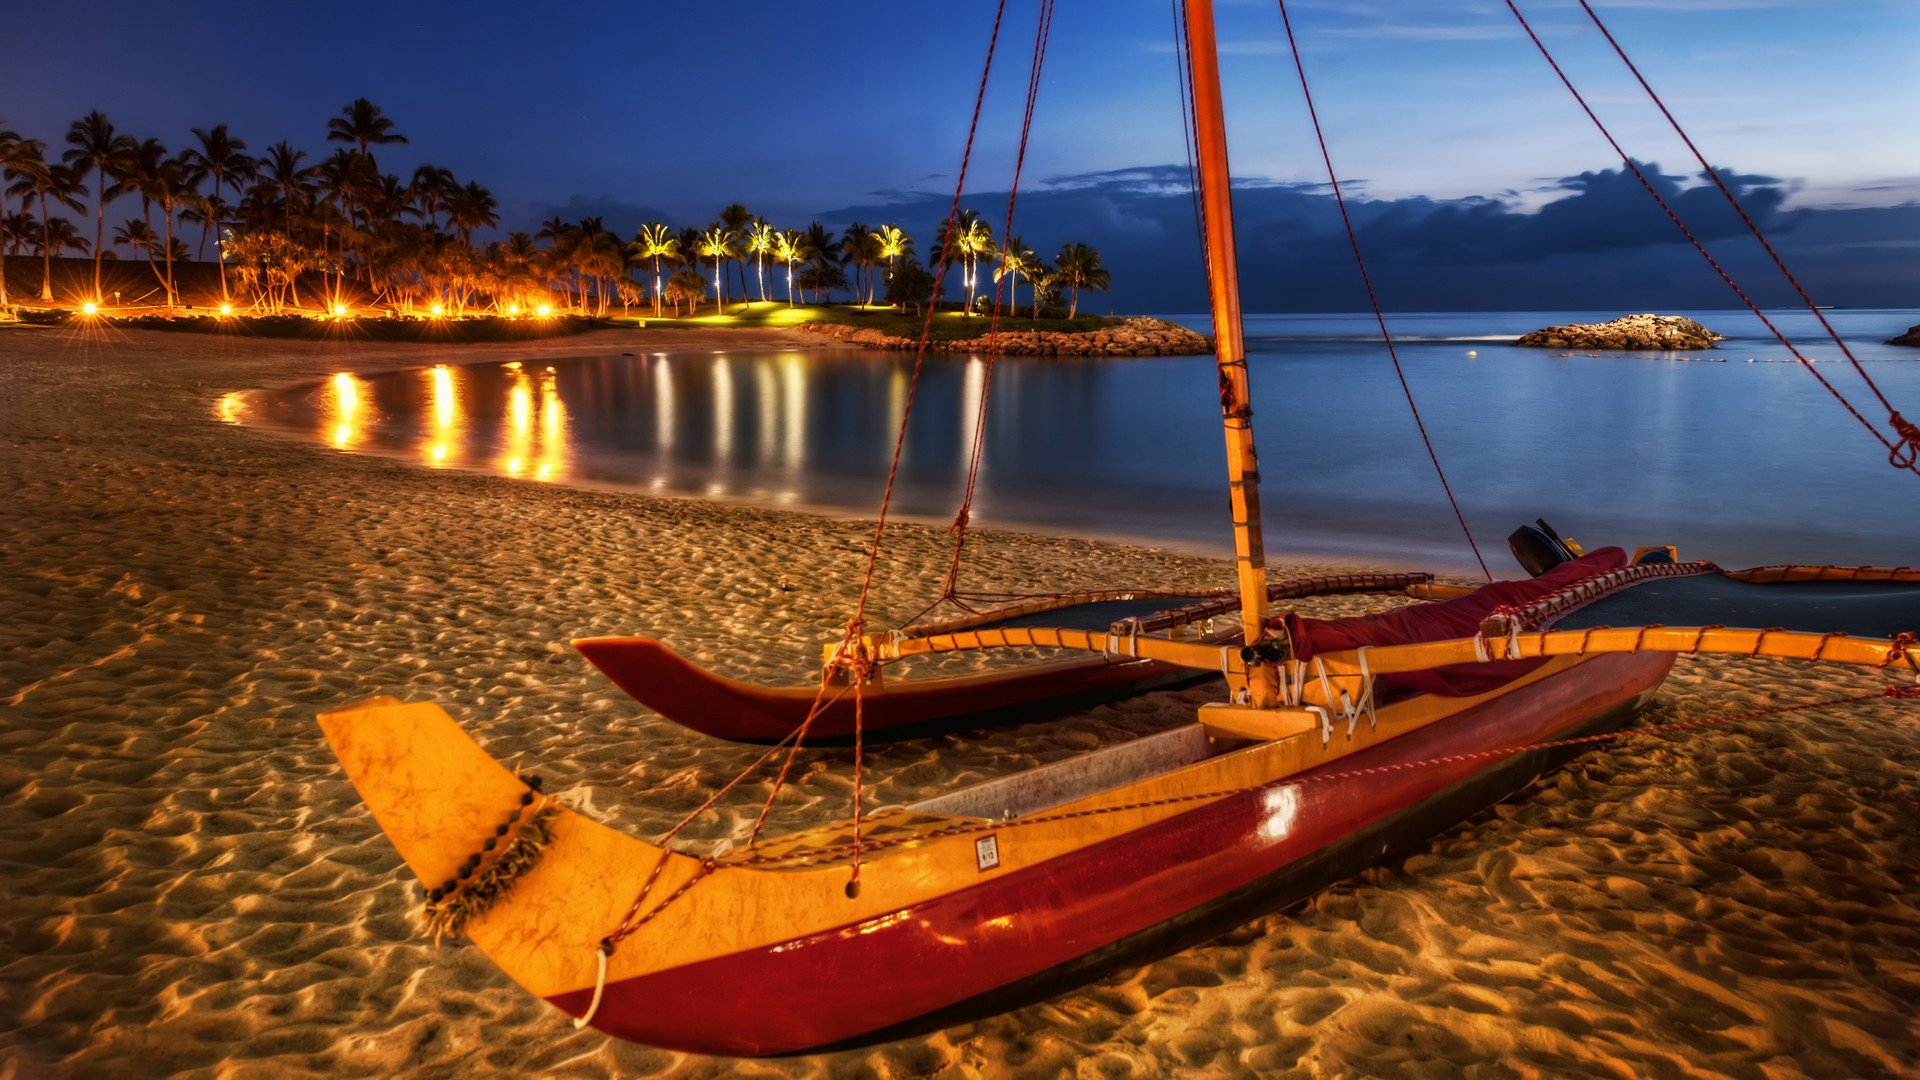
x: 947, y: 325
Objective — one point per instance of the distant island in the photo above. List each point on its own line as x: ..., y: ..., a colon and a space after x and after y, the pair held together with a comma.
x: 1663, y: 333
x: 1911, y: 337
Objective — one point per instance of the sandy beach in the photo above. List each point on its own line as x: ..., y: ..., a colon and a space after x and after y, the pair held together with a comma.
x: 193, y: 886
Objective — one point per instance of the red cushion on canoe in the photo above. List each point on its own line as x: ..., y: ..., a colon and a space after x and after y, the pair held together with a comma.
x: 1456, y: 618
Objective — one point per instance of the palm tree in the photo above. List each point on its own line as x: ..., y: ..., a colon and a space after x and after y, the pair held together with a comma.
x: 856, y: 246
x: 893, y: 242
x: 432, y: 188
x: 1078, y: 267
x: 962, y: 242
x: 37, y: 180
x: 717, y: 244
x: 1016, y: 258
x: 735, y: 218
x: 469, y: 208
x: 655, y: 242
x: 817, y: 247
x: 220, y: 158
x: 93, y: 144
x: 363, y: 124
x: 760, y: 241
x: 338, y: 181
x: 280, y: 173
x: 789, y: 248
x: 154, y: 175
x: 11, y: 149
x: 59, y: 235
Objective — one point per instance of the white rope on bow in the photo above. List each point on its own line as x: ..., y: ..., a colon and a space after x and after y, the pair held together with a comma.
x: 599, y: 988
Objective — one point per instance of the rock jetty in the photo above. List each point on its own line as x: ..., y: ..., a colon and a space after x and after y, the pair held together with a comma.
x: 1136, y: 336
x: 1911, y: 337
x: 1662, y: 333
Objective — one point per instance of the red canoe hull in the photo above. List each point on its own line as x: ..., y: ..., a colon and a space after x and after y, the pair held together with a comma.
x: 726, y: 708
x: 866, y: 980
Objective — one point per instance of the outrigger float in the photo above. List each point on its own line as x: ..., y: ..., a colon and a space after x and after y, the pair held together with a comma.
x: 1338, y: 743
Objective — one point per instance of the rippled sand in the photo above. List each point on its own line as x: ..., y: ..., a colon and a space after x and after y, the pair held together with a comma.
x: 190, y: 885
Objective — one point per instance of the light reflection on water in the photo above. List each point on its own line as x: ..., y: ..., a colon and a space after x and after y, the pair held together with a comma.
x: 1742, y: 463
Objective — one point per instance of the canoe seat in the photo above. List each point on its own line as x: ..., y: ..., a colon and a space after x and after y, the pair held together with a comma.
x: 1224, y: 721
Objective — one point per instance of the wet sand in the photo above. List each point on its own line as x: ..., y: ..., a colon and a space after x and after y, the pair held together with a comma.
x: 192, y: 886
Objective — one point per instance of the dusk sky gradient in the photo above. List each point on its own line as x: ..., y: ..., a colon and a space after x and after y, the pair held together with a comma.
x: 806, y: 111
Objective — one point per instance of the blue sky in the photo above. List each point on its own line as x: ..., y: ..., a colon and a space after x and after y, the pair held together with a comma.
x: 803, y: 109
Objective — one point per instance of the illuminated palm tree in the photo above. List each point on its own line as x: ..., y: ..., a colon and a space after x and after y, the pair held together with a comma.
x: 1078, y: 267
x: 93, y: 144
x: 1016, y: 258
x: 760, y: 241
x: 363, y: 124
x: 655, y: 242
x: 964, y: 242
x: 717, y: 243
x: 893, y: 242
x: 787, y: 247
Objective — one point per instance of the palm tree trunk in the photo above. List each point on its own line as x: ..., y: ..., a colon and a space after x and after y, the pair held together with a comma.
x: 46, y: 252
x: 99, y: 226
x: 166, y: 207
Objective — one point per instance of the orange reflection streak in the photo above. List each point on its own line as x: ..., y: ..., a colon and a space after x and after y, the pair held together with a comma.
x: 793, y: 392
x: 519, y: 425
x: 444, y: 443
x: 343, y: 407
x: 553, y: 450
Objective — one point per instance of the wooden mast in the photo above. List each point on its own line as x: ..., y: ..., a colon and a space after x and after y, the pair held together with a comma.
x: 1243, y: 464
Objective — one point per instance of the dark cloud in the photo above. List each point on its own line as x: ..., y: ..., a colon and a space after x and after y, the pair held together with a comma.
x: 1599, y: 241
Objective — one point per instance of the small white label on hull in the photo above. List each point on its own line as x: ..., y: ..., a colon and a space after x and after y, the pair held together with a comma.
x: 986, y: 851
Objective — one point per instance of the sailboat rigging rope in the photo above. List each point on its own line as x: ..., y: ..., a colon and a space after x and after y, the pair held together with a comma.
x: 1184, y: 76
x: 1900, y: 454
x: 1752, y: 226
x: 1043, y: 29
x: 1373, y: 299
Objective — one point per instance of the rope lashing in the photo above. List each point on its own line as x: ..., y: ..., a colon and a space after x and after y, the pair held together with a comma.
x: 1907, y: 451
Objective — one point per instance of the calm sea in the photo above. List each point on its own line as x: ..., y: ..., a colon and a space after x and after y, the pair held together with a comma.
x: 1735, y: 453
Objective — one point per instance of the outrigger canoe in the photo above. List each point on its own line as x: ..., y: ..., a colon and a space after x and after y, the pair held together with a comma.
x: 997, y: 892
x: 714, y: 704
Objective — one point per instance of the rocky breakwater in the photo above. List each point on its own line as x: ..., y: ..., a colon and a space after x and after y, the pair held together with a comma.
x: 1911, y: 337
x: 1135, y: 336
x: 1661, y: 333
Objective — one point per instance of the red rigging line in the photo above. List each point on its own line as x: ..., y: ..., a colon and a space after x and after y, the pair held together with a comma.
x: 1042, y: 32
x: 1733, y: 201
x: 1373, y: 299
x: 1901, y: 452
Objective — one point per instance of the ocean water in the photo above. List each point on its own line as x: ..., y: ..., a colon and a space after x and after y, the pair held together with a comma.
x: 1734, y: 453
